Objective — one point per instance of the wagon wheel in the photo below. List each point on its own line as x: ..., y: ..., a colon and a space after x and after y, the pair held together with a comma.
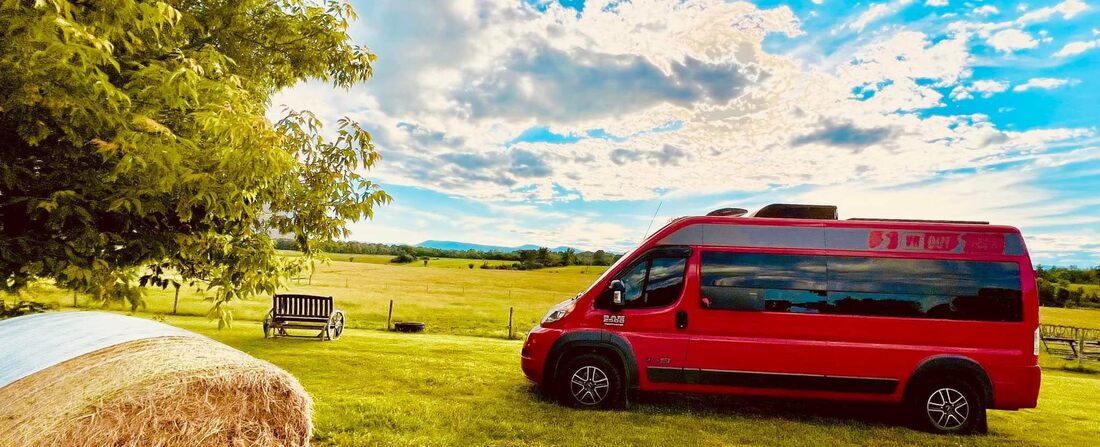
x: 268, y: 320
x: 335, y: 325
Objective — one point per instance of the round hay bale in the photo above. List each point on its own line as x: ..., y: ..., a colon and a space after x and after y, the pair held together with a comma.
x: 99, y: 379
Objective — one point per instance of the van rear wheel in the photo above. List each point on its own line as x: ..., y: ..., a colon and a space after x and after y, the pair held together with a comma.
x: 590, y: 381
x: 947, y: 406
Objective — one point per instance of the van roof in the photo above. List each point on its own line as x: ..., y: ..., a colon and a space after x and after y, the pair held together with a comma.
x: 897, y: 224
x: 822, y: 213
x: 867, y: 235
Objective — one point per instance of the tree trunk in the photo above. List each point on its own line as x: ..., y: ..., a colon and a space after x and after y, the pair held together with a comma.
x: 176, y: 303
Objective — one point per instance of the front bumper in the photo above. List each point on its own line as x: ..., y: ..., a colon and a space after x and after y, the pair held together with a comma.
x: 535, y: 350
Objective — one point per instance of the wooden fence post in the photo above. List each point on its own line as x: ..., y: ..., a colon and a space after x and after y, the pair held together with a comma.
x: 1080, y: 348
x: 389, y: 316
x: 510, y: 309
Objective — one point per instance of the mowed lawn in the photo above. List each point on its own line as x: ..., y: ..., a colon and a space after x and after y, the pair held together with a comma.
x: 447, y: 295
x: 446, y: 387
x: 1087, y: 318
x: 379, y: 388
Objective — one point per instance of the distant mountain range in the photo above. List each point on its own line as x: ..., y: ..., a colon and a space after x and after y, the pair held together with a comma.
x: 454, y: 245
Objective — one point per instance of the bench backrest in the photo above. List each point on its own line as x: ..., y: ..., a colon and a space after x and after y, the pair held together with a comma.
x: 1055, y: 331
x: 302, y: 305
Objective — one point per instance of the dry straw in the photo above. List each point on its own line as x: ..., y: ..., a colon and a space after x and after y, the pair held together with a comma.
x: 162, y: 391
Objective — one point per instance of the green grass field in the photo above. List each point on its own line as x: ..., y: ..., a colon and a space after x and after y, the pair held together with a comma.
x: 460, y: 383
x: 379, y: 388
x: 447, y: 295
x: 1089, y: 288
x: 1088, y: 318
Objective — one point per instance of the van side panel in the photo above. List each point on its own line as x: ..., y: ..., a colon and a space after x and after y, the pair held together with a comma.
x: 834, y: 356
x: 852, y: 356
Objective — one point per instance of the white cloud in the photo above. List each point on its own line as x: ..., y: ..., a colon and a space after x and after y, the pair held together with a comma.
x: 1075, y: 48
x: 1067, y: 9
x: 936, y: 3
x: 1064, y: 248
x: 1067, y: 231
x: 1043, y: 83
x: 684, y: 93
x: 876, y: 12
x: 818, y: 2
x: 1011, y: 40
x: 983, y: 88
x: 1004, y: 198
x: 986, y: 10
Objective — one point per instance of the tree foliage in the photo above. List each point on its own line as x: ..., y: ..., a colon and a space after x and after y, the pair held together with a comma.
x: 1064, y: 286
x: 136, y: 147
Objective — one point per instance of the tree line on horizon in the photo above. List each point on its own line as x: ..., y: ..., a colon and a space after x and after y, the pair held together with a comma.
x: 1057, y: 286
x: 1066, y: 286
x: 522, y: 259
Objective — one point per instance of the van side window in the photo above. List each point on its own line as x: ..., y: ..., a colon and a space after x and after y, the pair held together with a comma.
x: 666, y: 281
x: 653, y: 282
x: 930, y: 288
x: 852, y: 285
x: 634, y: 280
x: 753, y: 281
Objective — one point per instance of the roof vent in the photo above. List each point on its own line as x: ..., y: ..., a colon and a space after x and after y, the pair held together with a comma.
x: 728, y: 212
x: 797, y: 211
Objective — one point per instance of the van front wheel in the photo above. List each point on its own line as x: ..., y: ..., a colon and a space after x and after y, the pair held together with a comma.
x: 948, y: 406
x: 590, y: 381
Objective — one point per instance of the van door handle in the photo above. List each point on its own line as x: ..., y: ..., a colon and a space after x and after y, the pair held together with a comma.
x: 681, y: 319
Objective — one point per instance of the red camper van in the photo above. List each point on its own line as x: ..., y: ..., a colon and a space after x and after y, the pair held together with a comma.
x: 940, y: 316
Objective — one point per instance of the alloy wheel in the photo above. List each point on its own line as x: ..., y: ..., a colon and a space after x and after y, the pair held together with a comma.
x: 589, y: 385
x: 947, y: 409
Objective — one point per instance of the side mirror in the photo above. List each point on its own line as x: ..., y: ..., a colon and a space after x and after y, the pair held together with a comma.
x: 617, y: 289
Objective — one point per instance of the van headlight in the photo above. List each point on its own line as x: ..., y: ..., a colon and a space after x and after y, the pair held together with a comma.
x: 559, y: 311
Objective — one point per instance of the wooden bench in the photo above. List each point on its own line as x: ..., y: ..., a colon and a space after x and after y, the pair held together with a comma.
x: 1070, y: 342
x: 309, y: 312
x: 1059, y: 340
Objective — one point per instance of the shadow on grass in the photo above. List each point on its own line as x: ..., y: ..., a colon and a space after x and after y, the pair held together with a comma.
x: 759, y: 407
x: 808, y: 410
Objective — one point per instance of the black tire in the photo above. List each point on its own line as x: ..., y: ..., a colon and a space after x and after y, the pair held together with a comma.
x: 590, y: 381
x: 947, y: 406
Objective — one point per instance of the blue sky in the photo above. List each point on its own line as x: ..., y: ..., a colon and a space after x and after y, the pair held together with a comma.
x: 589, y: 123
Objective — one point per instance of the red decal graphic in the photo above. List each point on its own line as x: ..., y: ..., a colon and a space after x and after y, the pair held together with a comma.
x: 882, y: 240
x: 874, y: 240
x: 914, y: 241
x: 941, y: 241
x: 983, y: 243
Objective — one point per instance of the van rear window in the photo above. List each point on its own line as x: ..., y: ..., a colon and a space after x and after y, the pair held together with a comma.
x: 844, y: 285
